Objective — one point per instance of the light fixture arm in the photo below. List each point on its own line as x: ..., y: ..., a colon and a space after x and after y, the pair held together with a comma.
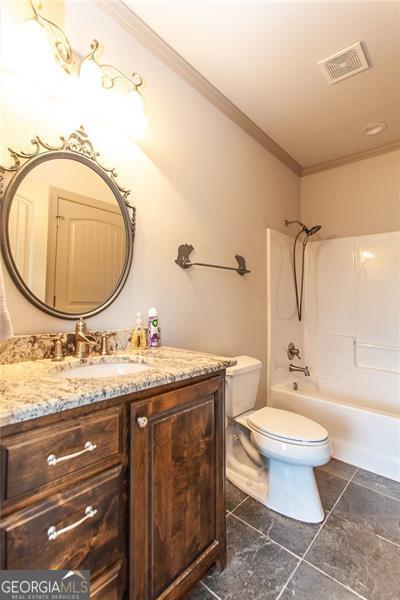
x: 109, y: 80
x: 110, y: 74
x: 63, y: 49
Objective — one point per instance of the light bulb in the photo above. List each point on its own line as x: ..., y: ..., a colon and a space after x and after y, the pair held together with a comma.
x: 109, y: 108
x: 90, y: 74
x: 32, y: 52
x: 132, y: 112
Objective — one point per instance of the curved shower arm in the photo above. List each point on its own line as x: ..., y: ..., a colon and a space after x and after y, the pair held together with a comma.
x: 308, y: 232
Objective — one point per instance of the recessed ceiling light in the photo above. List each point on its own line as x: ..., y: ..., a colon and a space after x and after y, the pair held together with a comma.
x: 374, y: 128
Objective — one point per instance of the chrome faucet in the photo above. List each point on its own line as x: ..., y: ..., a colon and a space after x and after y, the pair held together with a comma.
x: 83, y: 340
x: 294, y: 368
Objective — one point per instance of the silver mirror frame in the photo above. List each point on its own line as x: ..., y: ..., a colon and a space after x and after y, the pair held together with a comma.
x: 76, y: 147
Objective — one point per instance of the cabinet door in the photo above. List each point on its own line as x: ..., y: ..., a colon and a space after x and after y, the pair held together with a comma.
x: 177, y: 489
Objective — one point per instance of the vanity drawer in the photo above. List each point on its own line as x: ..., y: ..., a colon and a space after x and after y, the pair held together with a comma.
x: 108, y: 585
x: 44, y: 455
x: 79, y: 529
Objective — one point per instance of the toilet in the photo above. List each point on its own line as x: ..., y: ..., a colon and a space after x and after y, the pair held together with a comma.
x: 271, y: 453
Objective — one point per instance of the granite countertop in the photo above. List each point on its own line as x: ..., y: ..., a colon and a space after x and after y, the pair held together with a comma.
x: 32, y: 389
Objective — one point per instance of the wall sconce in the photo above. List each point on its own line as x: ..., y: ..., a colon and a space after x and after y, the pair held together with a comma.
x: 115, y: 95
x: 121, y: 91
x: 40, y: 25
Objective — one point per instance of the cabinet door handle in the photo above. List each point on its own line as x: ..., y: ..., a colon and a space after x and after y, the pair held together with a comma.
x: 52, y: 532
x: 142, y: 421
x: 53, y: 460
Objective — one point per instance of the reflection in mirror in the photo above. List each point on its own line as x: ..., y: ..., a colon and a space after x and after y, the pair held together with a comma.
x: 67, y: 235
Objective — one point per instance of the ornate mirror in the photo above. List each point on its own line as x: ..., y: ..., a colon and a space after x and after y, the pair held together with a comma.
x: 67, y: 228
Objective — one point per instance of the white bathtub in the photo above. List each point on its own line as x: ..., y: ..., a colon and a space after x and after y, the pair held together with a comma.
x: 360, y: 435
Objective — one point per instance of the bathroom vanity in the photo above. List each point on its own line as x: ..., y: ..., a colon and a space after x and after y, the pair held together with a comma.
x: 121, y: 473
x: 123, y: 476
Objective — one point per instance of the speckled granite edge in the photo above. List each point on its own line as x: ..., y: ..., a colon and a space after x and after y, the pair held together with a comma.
x: 33, y: 389
x: 21, y: 348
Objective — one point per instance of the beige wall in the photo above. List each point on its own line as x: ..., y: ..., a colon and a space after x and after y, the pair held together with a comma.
x: 359, y: 198
x: 197, y: 178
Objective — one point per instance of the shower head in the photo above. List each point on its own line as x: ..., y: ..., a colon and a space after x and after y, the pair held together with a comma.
x: 307, y: 231
x: 313, y: 230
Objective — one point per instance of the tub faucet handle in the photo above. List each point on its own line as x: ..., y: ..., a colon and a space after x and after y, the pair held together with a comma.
x: 292, y: 351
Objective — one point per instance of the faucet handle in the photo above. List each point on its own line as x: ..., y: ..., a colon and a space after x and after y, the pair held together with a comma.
x: 58, y: 354
x: 292, y: 351
x: 105, y: 348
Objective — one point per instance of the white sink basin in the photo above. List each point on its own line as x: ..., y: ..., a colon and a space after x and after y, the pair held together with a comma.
x: 104, y: 370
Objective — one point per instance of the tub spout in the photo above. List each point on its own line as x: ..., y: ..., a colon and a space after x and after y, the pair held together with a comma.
x: 295, y: 368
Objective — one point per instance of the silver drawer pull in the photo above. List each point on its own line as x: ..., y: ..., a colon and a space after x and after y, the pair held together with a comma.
x: 142, y: 421
x: 53, y: 460
x: 52, y: 532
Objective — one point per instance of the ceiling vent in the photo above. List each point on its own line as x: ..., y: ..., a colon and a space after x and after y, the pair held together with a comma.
x: 344, y: 64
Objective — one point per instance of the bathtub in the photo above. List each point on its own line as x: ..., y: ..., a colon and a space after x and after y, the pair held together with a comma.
x: 360, y: 435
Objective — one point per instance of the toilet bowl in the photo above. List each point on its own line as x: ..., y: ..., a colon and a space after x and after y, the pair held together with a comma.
x: 271, y: 453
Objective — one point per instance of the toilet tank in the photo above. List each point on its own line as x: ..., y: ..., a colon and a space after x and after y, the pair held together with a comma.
x: 241, y: 385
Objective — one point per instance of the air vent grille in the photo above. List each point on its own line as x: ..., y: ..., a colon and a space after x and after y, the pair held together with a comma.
x: 344, y: 64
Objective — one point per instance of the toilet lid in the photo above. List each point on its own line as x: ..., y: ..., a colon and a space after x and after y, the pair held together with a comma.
x: 286, y: 425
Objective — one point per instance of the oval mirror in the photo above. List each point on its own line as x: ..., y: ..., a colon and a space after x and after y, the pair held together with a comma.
x: 67, y: 236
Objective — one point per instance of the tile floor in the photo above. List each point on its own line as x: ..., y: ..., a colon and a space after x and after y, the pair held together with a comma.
x: 353, y: 554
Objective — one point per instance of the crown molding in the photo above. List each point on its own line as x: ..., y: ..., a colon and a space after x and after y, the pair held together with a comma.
x: 345, y: 160
x: 153, y: 42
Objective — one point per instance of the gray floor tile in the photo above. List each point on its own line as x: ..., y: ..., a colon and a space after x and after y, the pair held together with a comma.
x: 309, y: 584
x: 257, y: 569
x: 339, y: 468
x: 330, y: 487
x: 233, y: 496
x: 371, y: 510
x: 385, y: 486
x: 199, y: 592
x: 293, y: 535
x: 357, y: 558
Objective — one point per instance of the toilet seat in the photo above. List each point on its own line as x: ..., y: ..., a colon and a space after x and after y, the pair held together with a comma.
x: 288, y: 427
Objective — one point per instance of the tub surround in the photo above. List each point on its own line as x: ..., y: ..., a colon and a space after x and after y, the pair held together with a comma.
x: 33, y: 389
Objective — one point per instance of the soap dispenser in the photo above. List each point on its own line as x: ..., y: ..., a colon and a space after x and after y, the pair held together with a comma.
x: 137, y: 333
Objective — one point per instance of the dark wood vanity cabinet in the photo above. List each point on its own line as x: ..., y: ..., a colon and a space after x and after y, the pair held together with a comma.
x: 177, y: 489
x: 145, y: 499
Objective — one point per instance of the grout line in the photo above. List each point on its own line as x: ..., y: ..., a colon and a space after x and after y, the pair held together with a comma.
x: 301, y: 558
x: 240, y: 504
x: 314, y: 538
x: 289, y: 578
x: 264, y: 535
x: 210, y: 590
x: 386, y: 540
x: 332, y: 509
x: 336, y: 474
x: 366, y: 487
x: 335, y: 580
x: 370, y: 531
x: 348, y: 520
